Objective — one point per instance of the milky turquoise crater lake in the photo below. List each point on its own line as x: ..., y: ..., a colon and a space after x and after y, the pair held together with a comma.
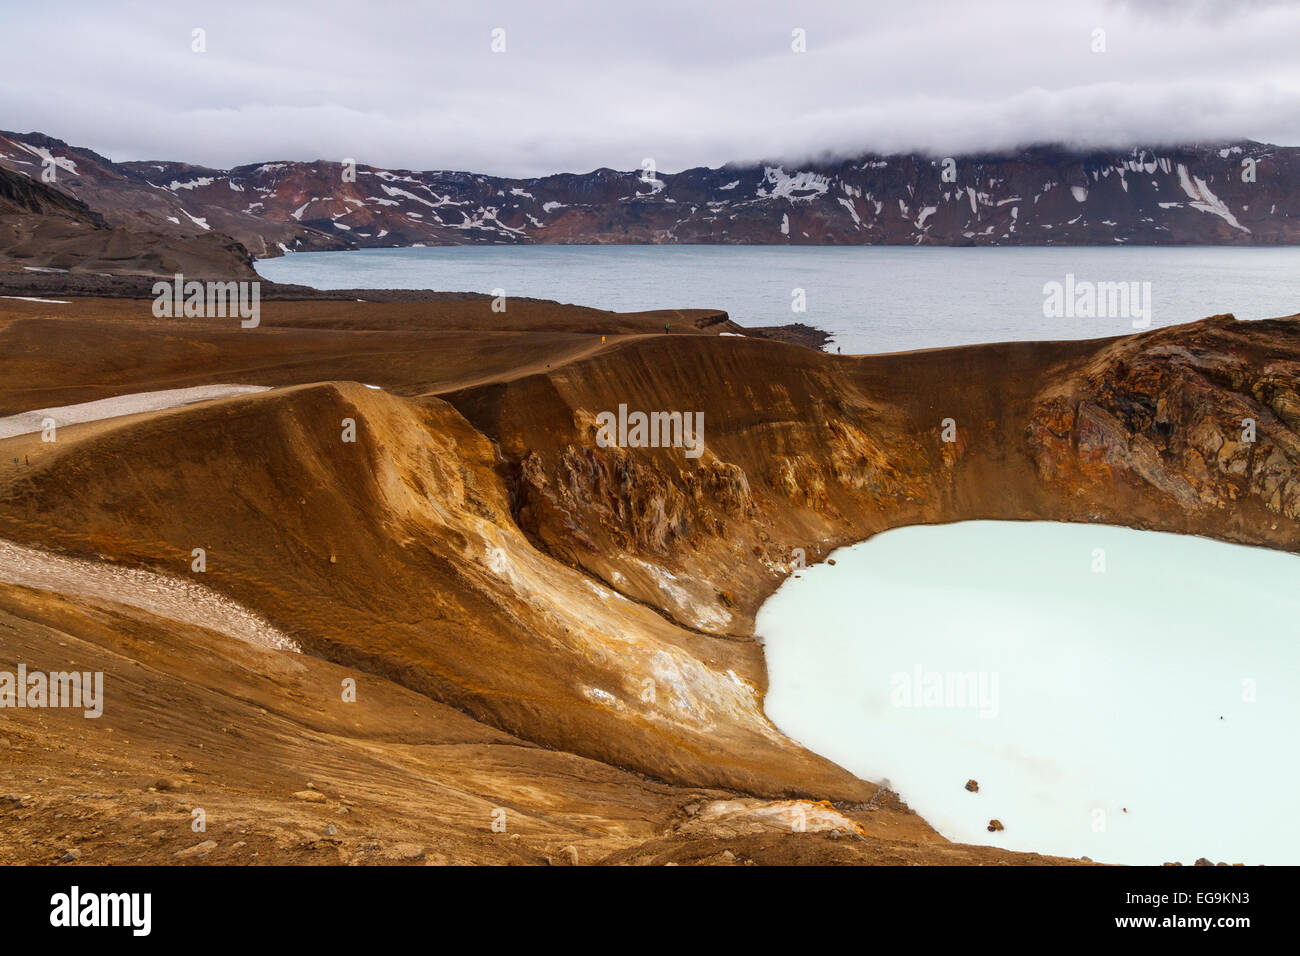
x: 1129, y: 696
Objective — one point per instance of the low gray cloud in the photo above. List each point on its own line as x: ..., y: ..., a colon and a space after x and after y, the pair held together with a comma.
x: 584, y: 83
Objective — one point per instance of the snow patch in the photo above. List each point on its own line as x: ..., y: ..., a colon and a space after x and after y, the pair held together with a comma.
x: 801, y: 187
x: 62, y: 162
x: 852, y: 212
x: 1204, y: 200
x: 191, y: 184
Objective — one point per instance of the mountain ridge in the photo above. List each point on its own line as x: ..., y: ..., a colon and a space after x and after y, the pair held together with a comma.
x: 1243, y: 193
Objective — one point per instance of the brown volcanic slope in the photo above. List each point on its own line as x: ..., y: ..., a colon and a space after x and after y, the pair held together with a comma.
x: 499, y: 587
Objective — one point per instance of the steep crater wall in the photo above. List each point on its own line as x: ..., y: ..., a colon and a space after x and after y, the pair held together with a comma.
x: 806, y: 452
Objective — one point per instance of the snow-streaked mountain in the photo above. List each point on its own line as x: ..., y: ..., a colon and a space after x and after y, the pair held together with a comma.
x: 1241, y: 193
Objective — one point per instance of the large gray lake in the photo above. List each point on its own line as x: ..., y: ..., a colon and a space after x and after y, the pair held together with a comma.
x: 872, y: 298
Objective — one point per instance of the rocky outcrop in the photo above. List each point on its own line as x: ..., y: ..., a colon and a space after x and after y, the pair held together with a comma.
x: 1206, y: 421
x: 24, y: 195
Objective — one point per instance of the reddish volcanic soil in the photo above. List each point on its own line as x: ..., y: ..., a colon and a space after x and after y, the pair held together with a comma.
x: 543, y: 635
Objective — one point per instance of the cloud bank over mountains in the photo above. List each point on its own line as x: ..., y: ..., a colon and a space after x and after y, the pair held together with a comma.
x: 582, y: 84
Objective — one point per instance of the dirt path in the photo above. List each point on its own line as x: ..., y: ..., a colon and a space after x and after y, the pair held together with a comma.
x: 165, y: 597
x: 547, y: 363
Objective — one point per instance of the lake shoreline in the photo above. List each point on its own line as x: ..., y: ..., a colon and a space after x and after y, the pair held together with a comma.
x: 869, y: 299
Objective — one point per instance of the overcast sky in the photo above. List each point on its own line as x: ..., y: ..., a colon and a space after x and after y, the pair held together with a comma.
x: 588, y: 83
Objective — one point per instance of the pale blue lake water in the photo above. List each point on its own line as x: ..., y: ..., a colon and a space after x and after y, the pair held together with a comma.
x: 1105, y: 686
x: 872, y: 298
